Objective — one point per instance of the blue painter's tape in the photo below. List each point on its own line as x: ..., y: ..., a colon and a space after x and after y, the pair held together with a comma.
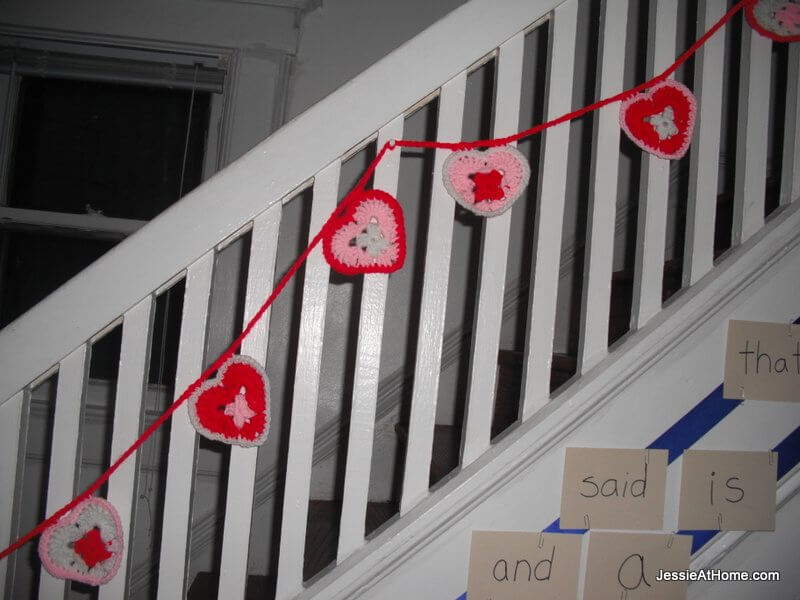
x: 694, y: 424
x: 788, y: 452
x: 689, y: 429
x: 683, y: 433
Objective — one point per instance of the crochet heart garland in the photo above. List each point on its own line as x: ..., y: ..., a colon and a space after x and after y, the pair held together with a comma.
x: 778, y: 20
x: 233, y: 407
x: 368, y: 237
x: 660, y: 120
x: 85, y: 544
x: 486, y: 182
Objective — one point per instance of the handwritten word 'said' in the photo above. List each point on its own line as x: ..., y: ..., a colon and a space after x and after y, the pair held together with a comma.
x: 613, y: 488
x: 626, y: 565
x: 508, y: 565
x: 729, y: 491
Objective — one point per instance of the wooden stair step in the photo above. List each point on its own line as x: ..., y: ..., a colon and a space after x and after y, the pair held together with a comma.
x: 322, y: 540
x: 322, y: 531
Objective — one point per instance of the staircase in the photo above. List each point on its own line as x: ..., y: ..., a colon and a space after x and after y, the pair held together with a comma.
x: 611, y: 353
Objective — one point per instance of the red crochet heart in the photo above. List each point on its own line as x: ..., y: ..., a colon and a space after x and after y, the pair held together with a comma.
x: 661, y: 120
x: 234, y: 406
x: 368, y: 237
x: 778, y: 20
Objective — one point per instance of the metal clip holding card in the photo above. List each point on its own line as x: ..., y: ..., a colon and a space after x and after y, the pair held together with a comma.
x: 541, y: 539
x: 586, y: 521
x: 670, y: 540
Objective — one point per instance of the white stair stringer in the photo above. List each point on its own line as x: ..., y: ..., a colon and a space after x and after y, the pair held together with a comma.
x: 649, y: 380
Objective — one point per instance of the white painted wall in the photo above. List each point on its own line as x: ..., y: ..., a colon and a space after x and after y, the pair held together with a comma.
x: 343, y: 37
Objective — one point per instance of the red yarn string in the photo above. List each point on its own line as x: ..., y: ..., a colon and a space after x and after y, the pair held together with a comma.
x: 360, y: 185
x: 229, y: 352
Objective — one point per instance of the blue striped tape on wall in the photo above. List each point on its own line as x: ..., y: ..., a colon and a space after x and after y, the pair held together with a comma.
x: 689, y: 429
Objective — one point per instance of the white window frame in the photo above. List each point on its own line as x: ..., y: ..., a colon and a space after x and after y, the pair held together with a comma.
x: 90, y: 57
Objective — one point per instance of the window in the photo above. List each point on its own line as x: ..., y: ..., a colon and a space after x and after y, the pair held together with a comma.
x: 89, y: 162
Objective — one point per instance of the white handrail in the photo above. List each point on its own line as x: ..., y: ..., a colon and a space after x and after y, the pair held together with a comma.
x: 265, y: 175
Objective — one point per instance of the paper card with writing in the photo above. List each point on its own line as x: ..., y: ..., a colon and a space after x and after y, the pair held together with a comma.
x: 630, y: 566
x: 608, y: 488
x: 508, y: 565
x: 762, y: 361
x: 730, y: 491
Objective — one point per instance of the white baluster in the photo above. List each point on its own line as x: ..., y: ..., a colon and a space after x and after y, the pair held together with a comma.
x: 367, y: 373
x: 790, y: 171
x: 492, y: 277
x: 306, y: 388
x: 182, y: 459
x: 549, y: 218
x: 131, y: 386
x: 654, y: 185
x: 242, y: 470
x: 433, y: 305
x: 599, y: 252
x: 65, y: 451
x: 698, y: 253
x: 13, y: 435
x: 751, y: 136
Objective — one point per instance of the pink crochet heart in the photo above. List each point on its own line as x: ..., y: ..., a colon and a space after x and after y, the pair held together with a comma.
x: 778, y: 20
x: 486, y: 183
x: 85, y: 545
x: 369, y: 237
x: 661, y: 120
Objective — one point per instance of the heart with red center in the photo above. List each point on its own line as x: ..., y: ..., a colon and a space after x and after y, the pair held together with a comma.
x: 486, y: 182
x: 368, y: 237
x: 233, y: 407
x: 778, y: 20
x: 660, y: 120
x: 85, y: 544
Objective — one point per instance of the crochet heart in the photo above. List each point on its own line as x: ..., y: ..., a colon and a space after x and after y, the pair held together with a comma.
x: 85, y: 544
x: 778, y: 20
x: 660, y: 120
x: 368, y: 237
x: 486, y: 183
x: 234, y: 406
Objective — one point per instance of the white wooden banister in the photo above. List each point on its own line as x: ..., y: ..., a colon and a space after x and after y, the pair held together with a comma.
x: 651, y: 228
x: 751, y: 138
x: 549, y: 214
x: 492, y: 279
x: 182, y: 457
x: 599, y: 251
x: 367, y: 374
x: 432, y: 306
x: 698, y: 255
x: 128, y: 408
x: 13, y: 428
x: 242, y: 469
x: 65, y: 450
x: 266, y: 174
x: 250, y: 196
x: 306, y: 387
x: 790, y: 169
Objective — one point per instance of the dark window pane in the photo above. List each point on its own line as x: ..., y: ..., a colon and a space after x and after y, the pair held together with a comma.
x: 36, y: 264
x: 115, y: 148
